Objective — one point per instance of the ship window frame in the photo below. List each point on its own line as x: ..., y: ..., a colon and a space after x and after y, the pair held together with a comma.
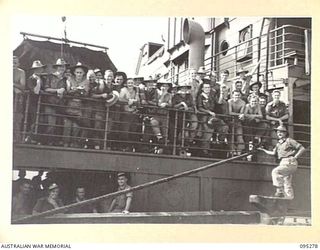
x: 245, y: 50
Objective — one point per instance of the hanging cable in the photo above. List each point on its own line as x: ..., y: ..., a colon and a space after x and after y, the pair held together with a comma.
x: 64, y: 40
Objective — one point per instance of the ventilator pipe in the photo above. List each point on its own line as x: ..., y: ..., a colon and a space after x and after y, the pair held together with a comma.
x: 193, y: 35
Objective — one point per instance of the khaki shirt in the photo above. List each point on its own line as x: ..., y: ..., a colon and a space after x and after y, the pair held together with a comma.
x: 287, y: 147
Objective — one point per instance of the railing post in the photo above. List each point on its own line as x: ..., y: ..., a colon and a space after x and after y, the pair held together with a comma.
x: 232, y: 135
x: 236, y: 57
x: 26, y: 113
x: 183, y: 129
x: 175, y: 132
x: 37, y: 115
x: 283, y: 42
x: 106, y: 129
x: 167, y: 129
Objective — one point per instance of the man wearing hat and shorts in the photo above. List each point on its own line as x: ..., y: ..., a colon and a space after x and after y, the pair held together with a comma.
x: 287, y: 151
x: 34, y: 85
x: 55, y: 85
x: 159, y: 118
x: 184, y: 101
x: 122, y: 203
x: 77, y: 88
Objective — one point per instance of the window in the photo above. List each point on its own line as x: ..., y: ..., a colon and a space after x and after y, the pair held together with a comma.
x: 244, y: 50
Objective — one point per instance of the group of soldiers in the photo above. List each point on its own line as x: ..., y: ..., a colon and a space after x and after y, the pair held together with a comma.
x: 39, y: 195
x: 82, y: 107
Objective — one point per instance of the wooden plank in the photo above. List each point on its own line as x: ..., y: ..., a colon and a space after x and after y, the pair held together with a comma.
x: 211, y: 217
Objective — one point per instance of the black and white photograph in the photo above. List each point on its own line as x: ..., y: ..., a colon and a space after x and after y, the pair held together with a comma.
x: 161, y: 120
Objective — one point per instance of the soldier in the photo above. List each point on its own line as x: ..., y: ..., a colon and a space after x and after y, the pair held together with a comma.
x: 224, y: 81
x: 158, y: 120
x: 51, y: 201
x: 56, y: 84
x: 104, y: 95
x: 22, y: 201
x: 81, y: 196
x: 34, y: 85
x: 206, y: 103
x: 183, y: 101
x: 236, y: 109
x: 129, y: 119
x: 122, y: 203
x: 99, y: 75
x: 77, y: 89
x: 276, y: 114
x: 254, y: 128
x: 287, y: 151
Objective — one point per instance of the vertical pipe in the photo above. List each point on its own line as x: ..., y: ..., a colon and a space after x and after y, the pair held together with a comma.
x: 290, y: 101
x: 168, y: 33
x: 175, y: 133
x: 307, y: 45
x: 181, y: 28
x: 194, y: 36
x: 37, y: 115
x: 174, y: 30
x: 183, y: 128
x: 212, y: 50
x: 25, y: 122
x: 267, y: 56
x: 167, y: 128
x: 106, y: 130
x: 283, y: 41
x: 232, y: 136
x: 259, y: 47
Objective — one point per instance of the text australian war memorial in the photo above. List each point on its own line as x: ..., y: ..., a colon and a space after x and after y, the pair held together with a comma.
x: 214, y: 127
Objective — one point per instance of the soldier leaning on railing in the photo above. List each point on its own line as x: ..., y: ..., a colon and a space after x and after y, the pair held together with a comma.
x: 129, y: 118
x: 209, y: 122
x: 85, y: 118
x: 77, y: 121
x: 56, y: 84
x: 34, y: 85
x: 183, y: 101
x: 277, y: 114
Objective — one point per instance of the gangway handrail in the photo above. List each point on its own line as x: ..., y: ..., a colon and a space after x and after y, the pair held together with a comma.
x: 29, y: 218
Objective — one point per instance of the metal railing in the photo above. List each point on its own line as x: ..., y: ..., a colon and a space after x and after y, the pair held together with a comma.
x: 284, y: 45
x: 92, y: 125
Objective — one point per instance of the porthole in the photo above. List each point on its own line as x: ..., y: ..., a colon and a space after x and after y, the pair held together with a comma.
x: 224, y: 46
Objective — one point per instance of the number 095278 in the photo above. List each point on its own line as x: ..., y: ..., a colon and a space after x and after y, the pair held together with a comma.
x: 308, y: 246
